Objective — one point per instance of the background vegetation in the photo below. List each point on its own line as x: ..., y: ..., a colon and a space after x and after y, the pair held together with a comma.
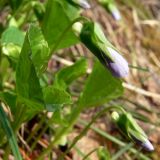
x: 54, y: 93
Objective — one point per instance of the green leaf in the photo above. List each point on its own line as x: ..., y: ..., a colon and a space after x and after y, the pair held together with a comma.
x: 100, y: 87
x: 27, y: 82
x: 10, y: 135
x: 15, y: 4
x: 9, y: 98
x: 12, y: 40
x: 55, y: 98
x: 67, y: 75
x: 39, y: 46
x: 13, y: 35
x: 58, y: 118
x: 58, y: 16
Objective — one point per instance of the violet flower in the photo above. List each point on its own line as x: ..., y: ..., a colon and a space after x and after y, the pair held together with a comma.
x: 112, y: 8
x: 114, y: 11
x: 130, y: 128
x: 146, y: 144
x: 94, y: 39
x: 118, y: 65
x: 84, y: 4
x: 81, y: 3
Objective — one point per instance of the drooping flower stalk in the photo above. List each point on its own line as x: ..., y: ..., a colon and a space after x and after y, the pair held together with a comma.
x: 129, y: 127
x: 92, y: 36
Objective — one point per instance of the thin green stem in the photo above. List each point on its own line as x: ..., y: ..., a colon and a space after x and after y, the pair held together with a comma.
x: 80, y: 153
x: 71, y: 121
x: 1, y: 79
x: 122, y: 151
x: 84, y: 131
x: 39, y: 136
x: 36, y: 129
x: 115, y: 140
x: 139, y: 68
x: 62, y: 131
x: 53, y: 49
x: 78, y: 109
x: 89, y: 124
x: 88, y: 154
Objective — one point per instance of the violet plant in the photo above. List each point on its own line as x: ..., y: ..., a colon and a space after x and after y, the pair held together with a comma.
x: 24, y: 57
x: 92, y: 36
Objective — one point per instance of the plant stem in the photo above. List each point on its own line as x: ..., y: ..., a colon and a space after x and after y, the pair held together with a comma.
x: 53, y: 49
x: 78, y: 109
x: 36, y: 129
x: 88, y: 154
x: 84, y: 131
x: 39, y: 136
x: 72, y: 119
x: 62, y: 131
x: 1, y: 79
x: 122, y: 151
x: 115, y: 140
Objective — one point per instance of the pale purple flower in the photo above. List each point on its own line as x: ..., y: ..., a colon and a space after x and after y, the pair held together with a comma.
x: 116, y: 14
x: 145, y: 144
x: 84, y: 4
x: 118, y: 65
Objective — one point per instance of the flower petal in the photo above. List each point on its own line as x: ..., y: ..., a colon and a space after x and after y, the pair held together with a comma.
x: 119, y: 66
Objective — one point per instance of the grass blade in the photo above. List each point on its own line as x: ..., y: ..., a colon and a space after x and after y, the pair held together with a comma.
x: 10, y: 135
x: 121, y: 151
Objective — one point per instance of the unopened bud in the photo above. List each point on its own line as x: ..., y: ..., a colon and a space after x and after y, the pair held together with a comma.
x: 94, y: 39
x: 146, y: 144
x: 77, y: 27
x: 115, y: 12
x: 81, y: 3
x: 119, y: 66
x: 132, y: 130
x: 111, y: 7
x: 115, y: 116
x: 84, y: 4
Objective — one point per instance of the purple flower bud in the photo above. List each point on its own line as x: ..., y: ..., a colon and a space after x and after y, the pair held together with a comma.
x: 146, y: 144
x: 115, y: 12
x: 84, y: 4
x: 118, y: 65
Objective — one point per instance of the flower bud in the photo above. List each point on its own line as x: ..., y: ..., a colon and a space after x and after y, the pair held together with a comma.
x: 115, y: 12
x: 81, y: 3
x: 77, y: 27
x: 111, y: 7
x: 129, y: 127
x: 119, y: 66
x: 94, y: 39
x: 84, y: 4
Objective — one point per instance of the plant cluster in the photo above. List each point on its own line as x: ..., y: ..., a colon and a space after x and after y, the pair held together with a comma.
x: 32, y: 32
